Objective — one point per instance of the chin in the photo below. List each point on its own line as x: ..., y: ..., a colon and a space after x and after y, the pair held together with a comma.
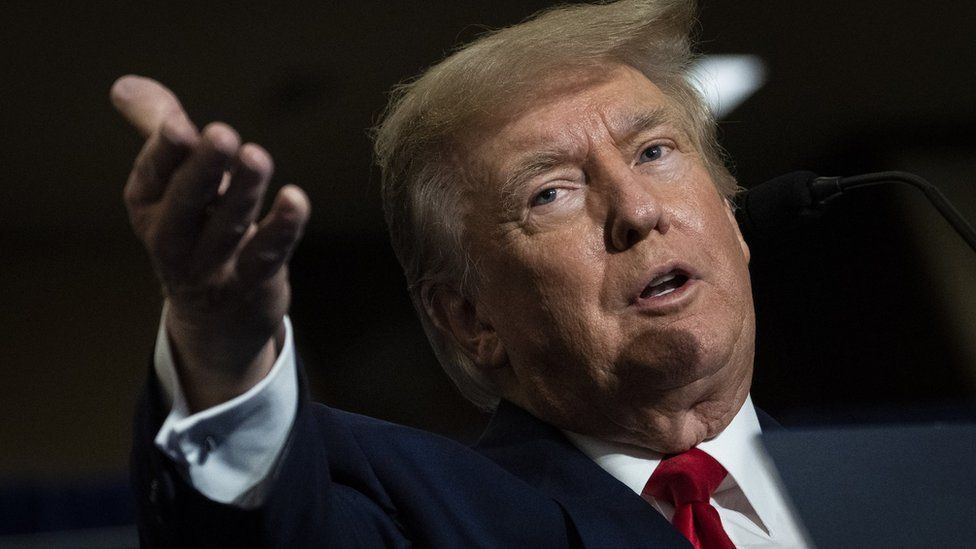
x: 680, y: 420
x: 677, y: 433
x: 678, y: 445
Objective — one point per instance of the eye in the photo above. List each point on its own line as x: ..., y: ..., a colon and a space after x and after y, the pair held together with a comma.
x: 544, y: 197
x: 650, y: 154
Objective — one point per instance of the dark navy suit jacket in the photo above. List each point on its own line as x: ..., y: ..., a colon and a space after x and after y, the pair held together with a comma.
x: 347, y: 480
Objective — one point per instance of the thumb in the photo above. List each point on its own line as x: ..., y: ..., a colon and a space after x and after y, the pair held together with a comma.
x: 145, y: 103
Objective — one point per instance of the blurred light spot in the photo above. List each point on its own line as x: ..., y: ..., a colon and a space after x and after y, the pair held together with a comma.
x: 726, y: 81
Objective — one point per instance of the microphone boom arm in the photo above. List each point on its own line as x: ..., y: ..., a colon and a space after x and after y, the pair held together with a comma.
x: 823, y: 189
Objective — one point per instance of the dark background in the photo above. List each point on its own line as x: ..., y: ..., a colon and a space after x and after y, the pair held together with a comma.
x: 868, y: 312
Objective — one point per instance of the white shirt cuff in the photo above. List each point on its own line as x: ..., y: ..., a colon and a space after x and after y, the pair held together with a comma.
x: 229, y: 450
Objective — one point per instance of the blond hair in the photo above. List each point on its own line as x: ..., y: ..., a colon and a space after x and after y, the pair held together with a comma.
x: 418, y: 138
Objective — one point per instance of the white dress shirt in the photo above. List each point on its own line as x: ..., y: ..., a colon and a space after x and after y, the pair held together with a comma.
x: 749, y: 501
x: 227, y: 452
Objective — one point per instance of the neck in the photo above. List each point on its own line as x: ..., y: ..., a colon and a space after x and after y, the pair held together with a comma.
x: 671, y: 422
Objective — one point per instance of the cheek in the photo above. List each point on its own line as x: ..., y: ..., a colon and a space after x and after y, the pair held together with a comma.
x: 704, y: 216
x: 558, y: 261
x: 547, y: 293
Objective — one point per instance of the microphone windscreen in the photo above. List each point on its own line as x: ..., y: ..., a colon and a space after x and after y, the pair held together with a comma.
x: 774, y: 205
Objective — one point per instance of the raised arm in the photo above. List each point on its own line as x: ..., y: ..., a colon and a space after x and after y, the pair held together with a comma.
x: 193, y: 199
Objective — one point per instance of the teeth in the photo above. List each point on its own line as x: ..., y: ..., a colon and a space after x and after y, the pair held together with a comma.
x: 665, y: 292
x: 662, y: 279
x: 663, y: 285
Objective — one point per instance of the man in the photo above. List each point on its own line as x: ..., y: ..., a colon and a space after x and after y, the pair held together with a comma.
x: 555, y: 197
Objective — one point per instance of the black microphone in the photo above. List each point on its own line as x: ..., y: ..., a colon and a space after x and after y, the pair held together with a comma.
x: 789, y: 200
x: 783, y: 203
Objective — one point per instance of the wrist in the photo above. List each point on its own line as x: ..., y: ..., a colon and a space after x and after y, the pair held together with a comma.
x: 213, y: 367
x: 205, y: 387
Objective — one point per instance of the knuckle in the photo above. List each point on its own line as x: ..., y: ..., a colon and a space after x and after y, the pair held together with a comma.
x: 145, y: 171
x: 235, y: 231
x: 201, y: 296
x: 144, y: 167
x: 139, y: 221
x: 269, y: 256
x: 130, y: 194
x: 213, y: 295
x: 162, y: 249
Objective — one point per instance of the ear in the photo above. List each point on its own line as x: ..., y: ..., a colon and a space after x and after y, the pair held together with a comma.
x: 457, y: 318
x: 730, y: 211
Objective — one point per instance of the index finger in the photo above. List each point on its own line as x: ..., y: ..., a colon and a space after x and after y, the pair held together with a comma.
x: 145, y: 103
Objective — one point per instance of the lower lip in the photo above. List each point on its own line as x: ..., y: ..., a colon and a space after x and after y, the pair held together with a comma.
x: 669, y: 302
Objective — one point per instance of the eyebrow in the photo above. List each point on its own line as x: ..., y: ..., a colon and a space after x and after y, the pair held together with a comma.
x: 530, y: 166
x: 631, y: 125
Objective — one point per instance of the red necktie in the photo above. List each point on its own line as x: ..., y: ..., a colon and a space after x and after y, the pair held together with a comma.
x: 686, y: 481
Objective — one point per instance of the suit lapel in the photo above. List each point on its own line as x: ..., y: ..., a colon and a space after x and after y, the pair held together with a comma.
x: 605, y: 512
x: 766, y: 421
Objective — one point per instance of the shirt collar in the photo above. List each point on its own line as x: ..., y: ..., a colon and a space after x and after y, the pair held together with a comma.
x: 737, y: 448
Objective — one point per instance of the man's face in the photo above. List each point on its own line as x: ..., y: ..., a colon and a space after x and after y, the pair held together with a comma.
x: 615, y: 279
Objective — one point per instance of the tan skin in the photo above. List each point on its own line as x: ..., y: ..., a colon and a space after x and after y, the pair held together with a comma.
x: 223, y: 271
x: 559, y: 325
x: 566, y: 252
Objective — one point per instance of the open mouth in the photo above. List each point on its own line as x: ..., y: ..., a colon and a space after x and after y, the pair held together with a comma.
x: 664, y: 284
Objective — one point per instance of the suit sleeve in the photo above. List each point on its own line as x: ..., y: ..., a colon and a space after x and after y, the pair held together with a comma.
x: 342, y: 480
x: 251, y: 472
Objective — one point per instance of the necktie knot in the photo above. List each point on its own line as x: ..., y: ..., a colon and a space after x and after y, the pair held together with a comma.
x: 685, y: 478
x: 687, y: 481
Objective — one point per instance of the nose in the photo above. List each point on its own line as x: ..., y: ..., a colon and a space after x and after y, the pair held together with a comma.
x: 634, y: 213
